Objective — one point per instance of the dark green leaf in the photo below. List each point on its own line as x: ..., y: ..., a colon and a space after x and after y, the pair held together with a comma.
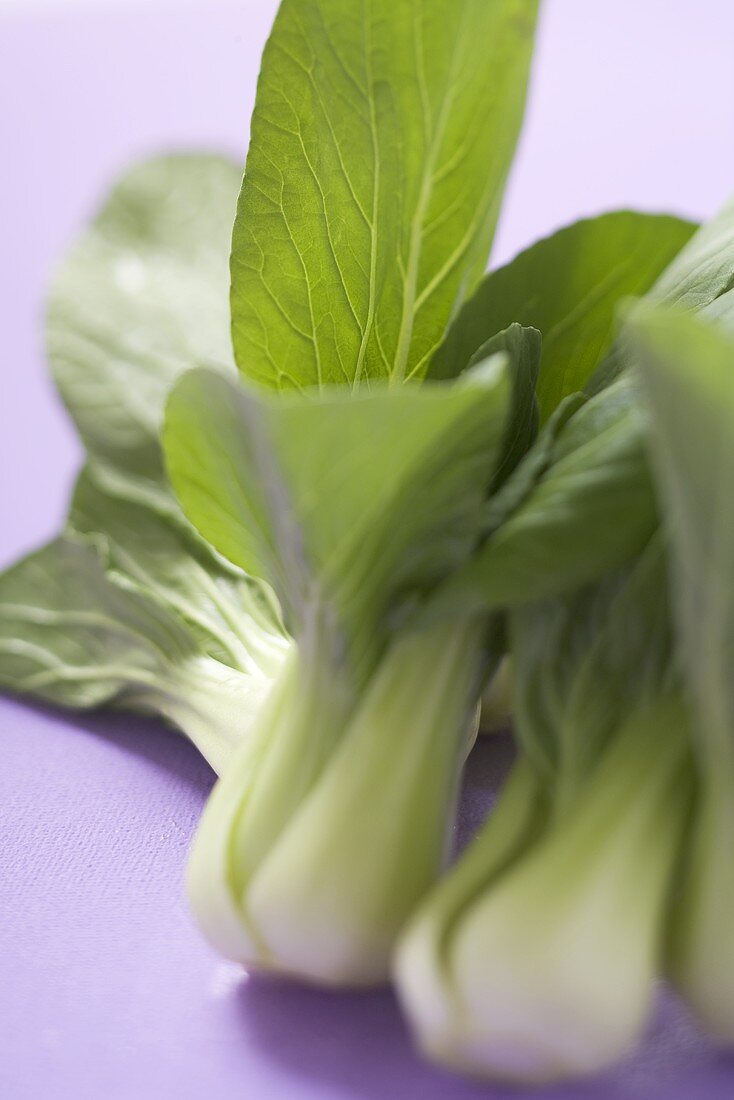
x: 568, y: 287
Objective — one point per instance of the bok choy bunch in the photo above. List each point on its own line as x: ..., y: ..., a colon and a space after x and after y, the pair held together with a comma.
x: 315, y: 517
x: 360, y: 499
x: 355, y: 490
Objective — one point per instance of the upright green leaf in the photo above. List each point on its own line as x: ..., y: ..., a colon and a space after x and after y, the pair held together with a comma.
x: 687, y: 369
x: 568, y: 286
x: 381, y: 140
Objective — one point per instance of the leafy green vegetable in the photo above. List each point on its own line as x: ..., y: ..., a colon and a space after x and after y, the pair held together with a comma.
x: 347, y: 545
x: 333, y: 572
x: 532, y: 960
x: 380, y: 144
x: 568, y: 286
x: 381, y: 141
x: 687, y: 370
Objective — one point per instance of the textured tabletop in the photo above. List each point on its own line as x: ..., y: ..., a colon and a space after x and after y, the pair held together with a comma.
x: 106, y: 988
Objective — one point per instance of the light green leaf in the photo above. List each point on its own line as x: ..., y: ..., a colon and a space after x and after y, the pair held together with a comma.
x: 140, y: 298
x: 704, y: 269
x: 130, y: 607
x: 234, y: 618
x: 343, y: 503
x: 67, y: 634
x: 700, y: 279
x: 76, y: 633
x: 380, y: 144
x: 568, y: 286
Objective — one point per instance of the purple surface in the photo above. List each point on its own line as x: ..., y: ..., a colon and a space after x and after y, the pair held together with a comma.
x: 107, y: 989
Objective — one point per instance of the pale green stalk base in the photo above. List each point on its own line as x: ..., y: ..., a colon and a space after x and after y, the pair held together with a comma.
x: 371, y: 837
x: 214, y: 706
x: 550, y: 971
x: 702, y: 941
x: 262, y: 786
x: 424, y: 983
x: 320, y: 839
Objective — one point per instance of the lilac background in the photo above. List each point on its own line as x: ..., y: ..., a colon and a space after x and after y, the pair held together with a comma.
x: 106, y: 989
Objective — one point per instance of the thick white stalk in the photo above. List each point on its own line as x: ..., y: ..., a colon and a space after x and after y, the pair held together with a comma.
x: 371, y: 837
x: 551, y: 969
x: 259, y: 791
x: 424, y: 984
x: 215, y: 706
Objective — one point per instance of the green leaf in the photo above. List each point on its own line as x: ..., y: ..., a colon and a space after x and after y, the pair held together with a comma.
x: 700, y: 279
x: 75, y: 632
x: 234, y: 618
x: 141, y: 297
x: 69, y: 635
x: 343, y: 503
x: 568, y: 286
x: 130, y: 607
x: 584, y: 506
x: 380, y: 144
x: 704, y: 269
x: 687, y: 369
x: 534, y: 465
